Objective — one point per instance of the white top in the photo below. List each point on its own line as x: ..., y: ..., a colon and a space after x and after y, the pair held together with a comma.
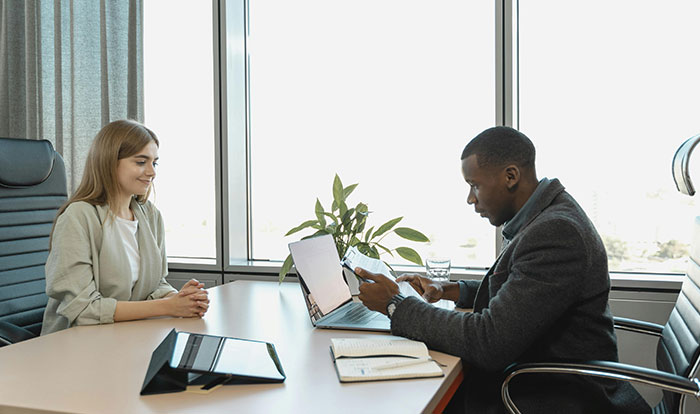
x: 124, y: 231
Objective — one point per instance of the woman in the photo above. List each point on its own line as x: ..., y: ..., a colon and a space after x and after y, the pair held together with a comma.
x: 107, y: 258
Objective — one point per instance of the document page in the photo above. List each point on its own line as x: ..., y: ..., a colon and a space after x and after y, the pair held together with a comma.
x: 354, y: 258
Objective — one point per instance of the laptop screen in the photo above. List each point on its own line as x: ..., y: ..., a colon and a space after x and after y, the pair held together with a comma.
x: 316, y: 260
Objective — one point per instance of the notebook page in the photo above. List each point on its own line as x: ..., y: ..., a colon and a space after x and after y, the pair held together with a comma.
x: 362, y: 347
x: 365, y: 369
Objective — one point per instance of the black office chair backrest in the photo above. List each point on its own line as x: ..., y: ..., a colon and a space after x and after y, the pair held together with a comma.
x: 32, y: 189
x: 679, y: 348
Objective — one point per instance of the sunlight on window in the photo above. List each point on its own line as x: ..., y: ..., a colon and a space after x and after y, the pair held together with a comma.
x: 179, y: 108
x: 607, y: 109
x: 386, y: 94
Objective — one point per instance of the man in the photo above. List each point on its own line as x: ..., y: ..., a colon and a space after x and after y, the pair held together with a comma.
x: 545, y: 298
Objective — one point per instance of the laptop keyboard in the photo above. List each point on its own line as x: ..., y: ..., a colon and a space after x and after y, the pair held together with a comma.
x: 357, y: 315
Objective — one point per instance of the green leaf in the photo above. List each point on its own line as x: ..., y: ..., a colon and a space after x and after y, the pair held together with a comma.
x: 410, y: 255
x: 386, y: 227
x: 368, y: 234
x: 410, y: 234
x: 373, y: 252
x: 332, y: 217
x: 334, y: 206
x: 343, y: 208
x: 348, y: 190
x: 354, y: 240
x: 340, y: 247
x: 360, y: 226
x: 318, y: 233
x: 360, y: 218
x: 385, y: 249
x: 363, y: 248
x: 285, y: 267
x: 319, y: 214
x: 302, y: 226
x: 337, y: 191
x: 362, y: 208
x: 347, y: 217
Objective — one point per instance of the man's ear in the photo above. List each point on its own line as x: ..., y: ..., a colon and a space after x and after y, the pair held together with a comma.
x: 512, y: 174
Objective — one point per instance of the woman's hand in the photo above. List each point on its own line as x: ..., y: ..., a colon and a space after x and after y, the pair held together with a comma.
x: 191, y: 301
x: 430, y: 290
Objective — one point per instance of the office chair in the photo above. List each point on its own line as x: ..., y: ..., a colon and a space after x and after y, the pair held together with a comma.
x: 32, y: 189
x: 679, y: 166
x: 678, y: 351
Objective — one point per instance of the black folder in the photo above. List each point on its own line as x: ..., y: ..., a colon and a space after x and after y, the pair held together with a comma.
x: 185, y: 358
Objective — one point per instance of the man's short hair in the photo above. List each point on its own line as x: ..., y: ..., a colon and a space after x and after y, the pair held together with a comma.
x: 500, y: 146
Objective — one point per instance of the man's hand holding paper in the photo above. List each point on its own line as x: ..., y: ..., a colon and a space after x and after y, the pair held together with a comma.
x: 430, y: 290
x: 354, y: 259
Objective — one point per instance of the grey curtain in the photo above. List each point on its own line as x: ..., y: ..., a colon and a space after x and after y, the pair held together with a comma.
x: 68, y: 67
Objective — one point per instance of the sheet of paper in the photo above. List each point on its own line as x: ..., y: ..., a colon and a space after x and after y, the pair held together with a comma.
x: 369, y: 368
x: 316, y: 259
x: 360, y: 347
x: 354, y: 258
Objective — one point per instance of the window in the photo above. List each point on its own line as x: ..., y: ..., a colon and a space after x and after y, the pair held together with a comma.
x: 179, y: 108
x: 608, y: 91
x: 386, y: 94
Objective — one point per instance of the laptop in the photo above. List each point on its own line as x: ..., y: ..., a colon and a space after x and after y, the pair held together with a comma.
x: 326, y: 293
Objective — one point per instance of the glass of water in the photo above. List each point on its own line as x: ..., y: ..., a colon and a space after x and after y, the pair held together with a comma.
x: 438, y: 269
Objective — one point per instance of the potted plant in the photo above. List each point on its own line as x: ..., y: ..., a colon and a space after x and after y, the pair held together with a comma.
x: 348, y: 226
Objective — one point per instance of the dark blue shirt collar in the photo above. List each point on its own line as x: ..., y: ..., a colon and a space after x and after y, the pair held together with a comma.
x: 513, y: 226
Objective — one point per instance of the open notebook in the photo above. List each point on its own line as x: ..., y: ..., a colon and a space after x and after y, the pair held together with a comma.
x: 382, y: 358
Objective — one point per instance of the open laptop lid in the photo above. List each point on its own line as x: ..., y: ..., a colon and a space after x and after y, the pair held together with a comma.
x: 320, y: 275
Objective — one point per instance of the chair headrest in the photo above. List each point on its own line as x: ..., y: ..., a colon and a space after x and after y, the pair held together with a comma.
x: 680, y: 164
x: 25, y: 162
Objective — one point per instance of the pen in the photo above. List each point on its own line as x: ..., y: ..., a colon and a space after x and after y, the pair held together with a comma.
x: 406, y: 363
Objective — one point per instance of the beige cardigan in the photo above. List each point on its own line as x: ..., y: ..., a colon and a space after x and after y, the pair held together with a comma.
x: 84, y: 279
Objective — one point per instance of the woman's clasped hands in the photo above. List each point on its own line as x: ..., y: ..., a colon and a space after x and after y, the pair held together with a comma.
x: 191, y: 301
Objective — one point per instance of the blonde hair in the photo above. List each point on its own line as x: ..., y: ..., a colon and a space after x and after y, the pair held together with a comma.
x: 115, y: 141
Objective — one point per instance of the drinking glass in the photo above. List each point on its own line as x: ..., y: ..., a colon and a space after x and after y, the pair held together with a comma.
x: 438, y: 269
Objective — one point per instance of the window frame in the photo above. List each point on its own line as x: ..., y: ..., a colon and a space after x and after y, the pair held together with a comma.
x: 233, y: 169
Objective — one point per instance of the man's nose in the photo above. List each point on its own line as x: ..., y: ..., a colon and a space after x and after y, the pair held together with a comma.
x: 471, y: 198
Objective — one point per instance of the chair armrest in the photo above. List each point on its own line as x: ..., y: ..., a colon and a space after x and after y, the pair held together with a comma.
x: 11, y: 334
x: 634, y: 325
x: 603, y: 369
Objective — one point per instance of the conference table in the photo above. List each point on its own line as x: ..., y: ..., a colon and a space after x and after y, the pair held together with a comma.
x: 101, y: 368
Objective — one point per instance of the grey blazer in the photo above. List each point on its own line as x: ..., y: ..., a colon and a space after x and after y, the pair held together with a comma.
x: 85, y: 278
x: 545, y: 299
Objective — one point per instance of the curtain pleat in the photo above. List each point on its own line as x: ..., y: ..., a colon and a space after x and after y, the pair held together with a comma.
x: 68, y: 67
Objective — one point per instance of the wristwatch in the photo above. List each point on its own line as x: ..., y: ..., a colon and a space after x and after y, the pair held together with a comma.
x: 393, y: 303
